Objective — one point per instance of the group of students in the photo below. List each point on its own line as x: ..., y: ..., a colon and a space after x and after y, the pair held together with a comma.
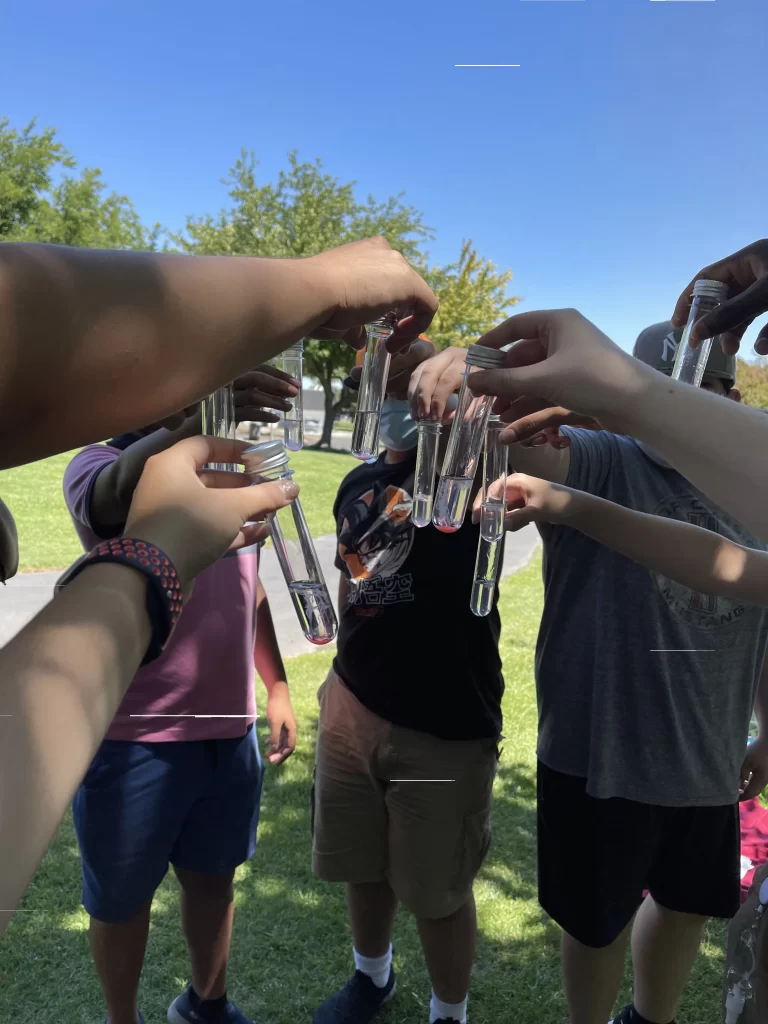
x: 646, y: 679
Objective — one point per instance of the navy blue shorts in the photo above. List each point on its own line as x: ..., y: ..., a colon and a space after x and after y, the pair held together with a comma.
x: 141, y: 806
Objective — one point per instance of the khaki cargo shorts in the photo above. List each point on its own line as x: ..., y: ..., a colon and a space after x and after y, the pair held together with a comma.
x: 381, y: 812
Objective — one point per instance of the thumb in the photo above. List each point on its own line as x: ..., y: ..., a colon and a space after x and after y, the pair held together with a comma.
x: 258, y: 500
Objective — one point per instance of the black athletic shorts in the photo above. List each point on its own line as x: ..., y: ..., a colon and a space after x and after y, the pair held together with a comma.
x: 596, y: 858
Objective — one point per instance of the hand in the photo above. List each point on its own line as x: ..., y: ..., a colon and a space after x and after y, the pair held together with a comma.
x: 197, y: 515
x: 541, y: 426
x: 264, y: 388
x: 746, y: 274
x: 369, y: 280
x: 401, y: 367
x: 754, y: 770
x: 561, y: 360
x: 530, y: 500
x: 282, y: 724
x: 434, y: 381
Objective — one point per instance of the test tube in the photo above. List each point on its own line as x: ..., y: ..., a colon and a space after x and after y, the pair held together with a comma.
x: 218, y: 414
x: 690, y: 363
x: 294, y: 547
x: 424, y: 476
x: 493, y: 509
x: 292, y: 362
x: 464, y: 444
x: 487, y: 566
x: 373, y: 386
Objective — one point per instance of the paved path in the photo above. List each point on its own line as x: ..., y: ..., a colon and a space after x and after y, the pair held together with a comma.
x: 26, y: 594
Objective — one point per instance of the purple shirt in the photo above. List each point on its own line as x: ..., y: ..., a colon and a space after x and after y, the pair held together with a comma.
x: 207, y: 669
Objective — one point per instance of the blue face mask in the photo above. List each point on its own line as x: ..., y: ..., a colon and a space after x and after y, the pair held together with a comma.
x: 397, y: 431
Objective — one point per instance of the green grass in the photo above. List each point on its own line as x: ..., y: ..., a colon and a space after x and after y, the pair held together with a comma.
x: 291, y: 945
x: 47, y: 539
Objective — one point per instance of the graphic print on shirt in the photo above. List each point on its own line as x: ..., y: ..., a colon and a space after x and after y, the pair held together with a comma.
x: 704, y: 611
x: 375, y: 539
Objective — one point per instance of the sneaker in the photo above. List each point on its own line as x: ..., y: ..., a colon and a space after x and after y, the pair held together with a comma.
x: 140, y: 1019
x: 181, y: 1011
x: 627, y: 1016
x: 452, y: 1020
x: 357, y: 1003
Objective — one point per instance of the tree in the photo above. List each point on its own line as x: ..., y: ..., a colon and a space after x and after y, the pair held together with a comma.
x: 752, y: 381
x: 41, y: 202
x: 307, y: 211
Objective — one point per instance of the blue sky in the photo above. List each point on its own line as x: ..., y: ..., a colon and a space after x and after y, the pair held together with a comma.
x: 628, y: 149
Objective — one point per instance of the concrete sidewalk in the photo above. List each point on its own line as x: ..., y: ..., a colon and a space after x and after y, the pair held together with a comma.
x: 27, y: 594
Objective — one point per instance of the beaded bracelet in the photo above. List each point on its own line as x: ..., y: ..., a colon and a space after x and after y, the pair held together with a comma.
x: 164, y: 597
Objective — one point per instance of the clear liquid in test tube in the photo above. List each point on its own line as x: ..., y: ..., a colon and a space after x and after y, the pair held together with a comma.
x: 465, y: 444
x: 373, y: 386
x: 424, y: 476
x: 218, y: 414
x: 487, y: 568
x: 493, y: 508
x: 690, y: 363
x: 291, y: 361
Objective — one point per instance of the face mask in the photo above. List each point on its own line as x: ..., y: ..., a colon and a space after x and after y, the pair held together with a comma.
x: 397, y: 431
x: 652, y: 455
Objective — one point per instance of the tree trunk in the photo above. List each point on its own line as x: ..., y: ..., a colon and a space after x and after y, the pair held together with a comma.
x: 330, y: 414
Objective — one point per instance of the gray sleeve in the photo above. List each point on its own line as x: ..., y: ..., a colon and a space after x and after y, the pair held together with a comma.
x: 592, y: 455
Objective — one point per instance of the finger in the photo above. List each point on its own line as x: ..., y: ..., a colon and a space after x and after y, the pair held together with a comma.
x: 252, y: 414
x: 517, y: 518
x: 742, y: 308
x: 754, y: 786
x: 268, y: 370
x: 264, y: 383
x: 528, y: 426
x: 257, y: 501
x: 761, y: 345
x: 251, y: 533
x: 198, y: 451
x: 223, y: 479
x: 530, y: 327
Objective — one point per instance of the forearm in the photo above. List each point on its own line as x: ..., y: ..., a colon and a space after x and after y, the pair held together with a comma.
x: 720, y: 446
x: 61, y: 681
x: 266, y: 655
x: 127, y: 338
x: 697, y: 558
x: 114, y: 486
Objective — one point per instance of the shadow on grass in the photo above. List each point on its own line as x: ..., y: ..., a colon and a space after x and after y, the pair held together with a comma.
x: 292, y: 946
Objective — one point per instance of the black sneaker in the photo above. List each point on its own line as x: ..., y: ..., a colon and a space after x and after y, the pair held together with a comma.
x: 357, y: 1003
x: 627, y: 1016
x: 447, y: 1020
x: 182, y: 1011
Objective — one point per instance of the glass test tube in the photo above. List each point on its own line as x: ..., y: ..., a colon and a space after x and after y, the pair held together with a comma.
x: 218, y: 414
x: 690, y: 364
x: 493, y: 509
x: 487, y: 566
x: 373, y: 386
x: 464, y: 444
x: 294, y: 547
x: 424, y: 476
x: 292, y: 362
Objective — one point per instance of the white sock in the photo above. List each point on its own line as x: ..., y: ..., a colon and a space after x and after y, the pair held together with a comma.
x: 376, y: 967
x: 438, y: 1010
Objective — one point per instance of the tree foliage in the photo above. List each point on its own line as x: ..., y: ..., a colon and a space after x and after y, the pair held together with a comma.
x: 752, y: 381
x: 306, y: 211
x: 43, y: 200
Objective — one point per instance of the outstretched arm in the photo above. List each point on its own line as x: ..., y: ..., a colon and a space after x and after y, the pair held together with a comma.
x: 127, y: 338
x: 697, y: 558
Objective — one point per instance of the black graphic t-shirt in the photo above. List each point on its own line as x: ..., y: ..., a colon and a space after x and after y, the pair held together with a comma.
x: 409, y: 647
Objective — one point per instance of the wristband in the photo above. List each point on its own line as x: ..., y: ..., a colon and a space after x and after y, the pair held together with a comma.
x: 164, y: 598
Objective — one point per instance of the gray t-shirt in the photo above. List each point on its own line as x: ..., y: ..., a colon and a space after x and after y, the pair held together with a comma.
x: 645, y: 688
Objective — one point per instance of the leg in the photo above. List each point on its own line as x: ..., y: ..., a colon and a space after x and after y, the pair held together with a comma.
x: 118, y: 955
x: 592, y: 978
x: 207, y: 913
x: 449, y: 948
x: 594, y: 859
x: 372, y: 908
x: 439, y: 836
x: 664, y: 947
x: 127, y: 813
